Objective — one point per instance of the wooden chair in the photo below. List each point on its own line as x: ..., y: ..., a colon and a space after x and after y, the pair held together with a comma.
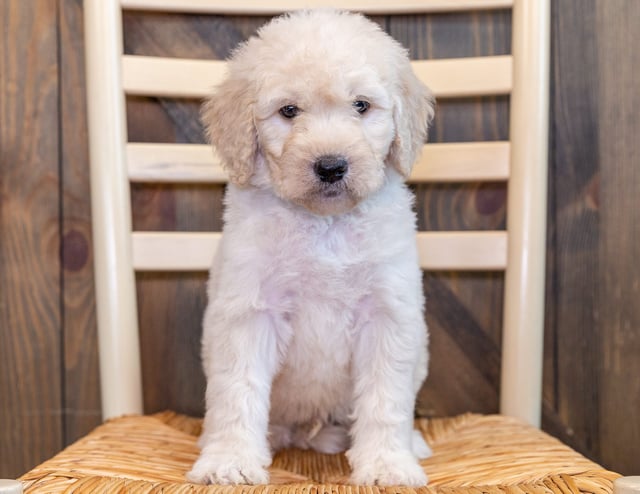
x: 472, y: 453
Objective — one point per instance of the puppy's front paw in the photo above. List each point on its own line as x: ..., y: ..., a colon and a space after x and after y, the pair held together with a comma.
x: 227, y: 468
x: 389, y: 469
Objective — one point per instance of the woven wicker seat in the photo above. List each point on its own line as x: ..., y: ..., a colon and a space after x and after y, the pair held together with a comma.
x: 473, y: 454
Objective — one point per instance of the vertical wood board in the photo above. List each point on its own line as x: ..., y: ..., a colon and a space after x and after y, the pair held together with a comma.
x: 618, y: 316
x: 30, y: 333
x: 573, y: 227
x: 81, y: 383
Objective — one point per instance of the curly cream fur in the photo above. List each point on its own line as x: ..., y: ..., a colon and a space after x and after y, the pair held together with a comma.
x: 314, y: 334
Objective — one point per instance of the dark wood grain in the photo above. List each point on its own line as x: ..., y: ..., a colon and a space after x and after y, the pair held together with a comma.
x: 465, y: 359
x: 81, y: 383
x: 171, y: 306
x: 618, y: 316
x: 573, y: 225
x: 30, y: 318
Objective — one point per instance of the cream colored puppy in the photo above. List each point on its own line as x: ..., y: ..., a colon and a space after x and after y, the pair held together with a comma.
x: 314, y: 334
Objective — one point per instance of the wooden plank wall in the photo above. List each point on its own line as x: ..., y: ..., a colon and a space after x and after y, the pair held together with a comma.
x: 31, y: 381
x: 48, y: 358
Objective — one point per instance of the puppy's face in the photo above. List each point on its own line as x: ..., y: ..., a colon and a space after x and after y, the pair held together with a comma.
x: 325, y: 135
x: 324, y: 102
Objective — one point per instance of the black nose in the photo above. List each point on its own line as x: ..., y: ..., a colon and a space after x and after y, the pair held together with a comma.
x: 331, y: 169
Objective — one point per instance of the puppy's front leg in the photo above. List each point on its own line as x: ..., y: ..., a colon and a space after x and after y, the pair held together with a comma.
x: 386, y: 354
x: 240, y: 358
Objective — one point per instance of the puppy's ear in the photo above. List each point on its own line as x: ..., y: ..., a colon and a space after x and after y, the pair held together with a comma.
x: 412, y: 114
x: 228, y: 118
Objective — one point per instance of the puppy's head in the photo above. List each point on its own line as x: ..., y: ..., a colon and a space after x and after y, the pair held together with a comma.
x: 319, y: 107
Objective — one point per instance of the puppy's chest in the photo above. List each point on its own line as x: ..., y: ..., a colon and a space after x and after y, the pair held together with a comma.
x: 327, y: 265
x: 322, y: 276
x: 315, y: 282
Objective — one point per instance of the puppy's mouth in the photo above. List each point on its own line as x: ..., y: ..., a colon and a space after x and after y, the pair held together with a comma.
x: 329, y: 199
x: 331, y: 191
x: 327, y: 186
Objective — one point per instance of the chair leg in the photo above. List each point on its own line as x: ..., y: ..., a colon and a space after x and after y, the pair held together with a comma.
x: 627, y: 485
x: 10, y: 486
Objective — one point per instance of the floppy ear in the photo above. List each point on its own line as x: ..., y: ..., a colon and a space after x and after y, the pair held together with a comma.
x: 228, y: 118
x: 412, y: 113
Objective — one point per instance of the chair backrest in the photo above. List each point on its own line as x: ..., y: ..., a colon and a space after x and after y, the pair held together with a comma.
x: 521, y: 162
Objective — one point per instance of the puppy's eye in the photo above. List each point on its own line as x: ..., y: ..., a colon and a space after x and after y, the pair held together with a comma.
x: 289, y: 111
x: 361, y: 106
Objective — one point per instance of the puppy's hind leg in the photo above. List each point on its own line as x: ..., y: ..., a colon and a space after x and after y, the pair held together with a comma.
x: 419, y: 446
x: 280, y: 437
x: 325, y: 438
x: 331, y: 439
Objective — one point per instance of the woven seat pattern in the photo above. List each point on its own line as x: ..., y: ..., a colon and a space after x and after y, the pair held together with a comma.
x: 473, y: 454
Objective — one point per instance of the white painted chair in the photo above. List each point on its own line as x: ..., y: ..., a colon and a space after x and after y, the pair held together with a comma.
x: 519, y: 251
x: 522, y: 162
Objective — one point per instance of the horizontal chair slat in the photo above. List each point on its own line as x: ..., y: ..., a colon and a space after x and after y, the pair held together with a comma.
x: 463, y: 251
x: 195, y: 163
x: 178, y: 251
x: 170, y: 77
x: 463, y: 77
x: 187, y: 163
x: 249, y: 7
x: 186, y: 78
x: 463, y: 162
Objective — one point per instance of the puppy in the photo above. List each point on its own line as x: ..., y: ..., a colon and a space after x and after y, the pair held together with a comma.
x: 314, y: 335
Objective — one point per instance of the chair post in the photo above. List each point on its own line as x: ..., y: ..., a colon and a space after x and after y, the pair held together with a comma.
x: 523, y: 323
x: 120, y: 374
x: 627, y: 485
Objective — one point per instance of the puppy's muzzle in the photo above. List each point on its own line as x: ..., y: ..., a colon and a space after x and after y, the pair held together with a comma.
x: 331, y: 169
